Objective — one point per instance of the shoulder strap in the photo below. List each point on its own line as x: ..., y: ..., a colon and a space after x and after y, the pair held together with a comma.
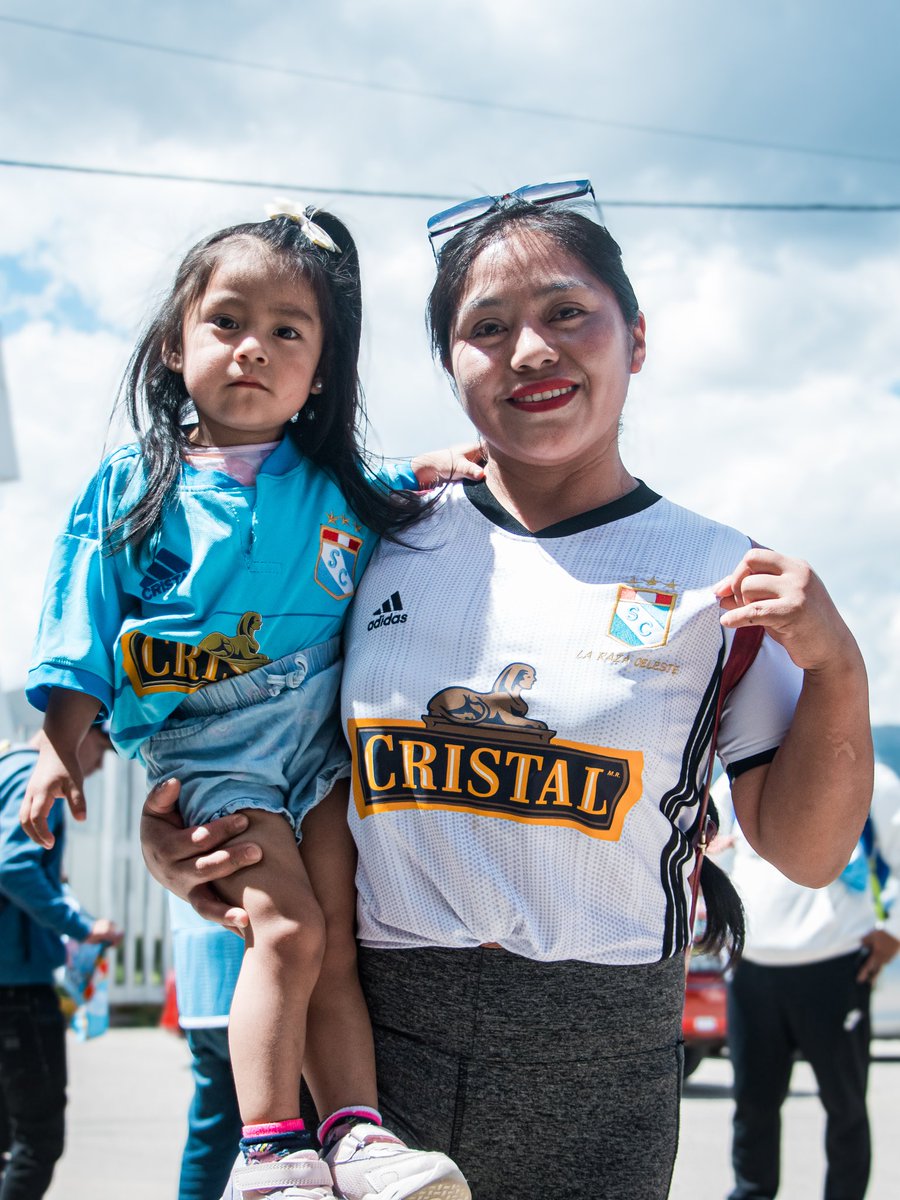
x: 744, y: 649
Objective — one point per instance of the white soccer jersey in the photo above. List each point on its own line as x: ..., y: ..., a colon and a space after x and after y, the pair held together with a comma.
x: 530, y: 717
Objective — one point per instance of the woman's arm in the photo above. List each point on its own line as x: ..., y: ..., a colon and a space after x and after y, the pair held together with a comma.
x: 805, y: 810
x: 189, y: 861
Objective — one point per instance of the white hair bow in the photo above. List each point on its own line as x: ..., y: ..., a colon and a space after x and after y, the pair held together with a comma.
x: 310, y: 230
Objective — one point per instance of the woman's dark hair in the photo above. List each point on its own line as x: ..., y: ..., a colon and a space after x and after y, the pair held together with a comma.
x: 157, y: 403
x: 725, y: 927
x: 587, y: 241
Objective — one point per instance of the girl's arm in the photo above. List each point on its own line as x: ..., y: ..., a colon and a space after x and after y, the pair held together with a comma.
x: 805, y: 810
x: 464, y: 461
x: 68, y: 717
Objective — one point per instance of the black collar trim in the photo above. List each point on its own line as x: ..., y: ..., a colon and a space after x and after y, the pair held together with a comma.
x: 632, y: 502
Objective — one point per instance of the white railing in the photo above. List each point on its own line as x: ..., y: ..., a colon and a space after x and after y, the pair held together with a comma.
x: 107, y: 874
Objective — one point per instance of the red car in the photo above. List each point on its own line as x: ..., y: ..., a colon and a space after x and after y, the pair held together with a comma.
x: 704, y: 1023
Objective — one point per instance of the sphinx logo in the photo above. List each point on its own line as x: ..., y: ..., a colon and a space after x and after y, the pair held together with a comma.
x: 480, y: 752
x: 159, y: 665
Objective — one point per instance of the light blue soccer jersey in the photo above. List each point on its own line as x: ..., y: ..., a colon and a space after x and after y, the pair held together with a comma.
x: 236, y: 577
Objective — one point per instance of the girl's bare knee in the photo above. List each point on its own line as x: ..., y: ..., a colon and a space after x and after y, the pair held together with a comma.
x: 296, y: 940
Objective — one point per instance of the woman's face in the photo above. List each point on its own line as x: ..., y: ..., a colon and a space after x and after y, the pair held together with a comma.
x: 541, y: 354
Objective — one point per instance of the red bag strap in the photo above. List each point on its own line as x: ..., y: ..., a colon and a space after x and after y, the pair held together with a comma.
x: 744, y: 649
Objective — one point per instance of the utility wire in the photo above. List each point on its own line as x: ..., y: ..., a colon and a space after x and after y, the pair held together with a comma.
x: 449, y: 98
x: 439, y: 197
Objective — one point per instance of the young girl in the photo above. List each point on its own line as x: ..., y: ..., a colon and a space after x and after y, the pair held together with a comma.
x: 197, y: 598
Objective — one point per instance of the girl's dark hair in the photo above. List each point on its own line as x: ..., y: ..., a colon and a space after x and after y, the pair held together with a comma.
x: 587, y: 241
x: 157, y: 403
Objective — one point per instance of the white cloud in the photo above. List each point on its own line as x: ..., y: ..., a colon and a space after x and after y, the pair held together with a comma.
x: 61, y: 386
x: 766, y: 400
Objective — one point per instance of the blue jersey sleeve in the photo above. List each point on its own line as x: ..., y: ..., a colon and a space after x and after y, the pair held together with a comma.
x: 84, y: 601
x: 398, y: 476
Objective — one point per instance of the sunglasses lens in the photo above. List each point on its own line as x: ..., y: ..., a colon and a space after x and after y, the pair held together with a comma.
x: 454, y: 218
x: 548, y: 193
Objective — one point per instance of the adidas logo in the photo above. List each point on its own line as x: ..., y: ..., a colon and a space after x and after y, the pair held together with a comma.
x: 390, y: 613
x: 165, y: 572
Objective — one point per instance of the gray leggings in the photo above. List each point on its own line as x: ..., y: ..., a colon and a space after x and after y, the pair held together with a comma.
x: 539, y: 1079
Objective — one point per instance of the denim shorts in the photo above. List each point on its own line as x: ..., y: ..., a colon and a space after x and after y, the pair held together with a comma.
x: 269, y: 740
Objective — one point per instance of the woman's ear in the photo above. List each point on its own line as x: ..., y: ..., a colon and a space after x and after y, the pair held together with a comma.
x: 638, y: 343
x: 173, y: 359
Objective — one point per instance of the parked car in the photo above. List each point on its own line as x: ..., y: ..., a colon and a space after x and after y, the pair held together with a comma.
x: 704, y: 1023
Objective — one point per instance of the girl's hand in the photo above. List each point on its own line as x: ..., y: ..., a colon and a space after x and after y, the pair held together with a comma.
x: 52, y: 776
x: 464, y: 461
x: 788, y: 599
x: 187, y: 861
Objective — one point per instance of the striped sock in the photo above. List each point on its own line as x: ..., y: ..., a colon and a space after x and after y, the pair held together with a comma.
x: 342, y: 1121
x: 274, y: 1139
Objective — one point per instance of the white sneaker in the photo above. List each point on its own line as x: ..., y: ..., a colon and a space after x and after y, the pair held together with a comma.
x: 368, y: 1163
x: 298, y: 1176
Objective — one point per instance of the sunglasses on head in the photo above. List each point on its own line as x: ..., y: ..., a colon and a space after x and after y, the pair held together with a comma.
x: 575, y: 194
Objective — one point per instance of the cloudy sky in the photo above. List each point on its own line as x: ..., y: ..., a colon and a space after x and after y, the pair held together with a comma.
x: 771, y: 395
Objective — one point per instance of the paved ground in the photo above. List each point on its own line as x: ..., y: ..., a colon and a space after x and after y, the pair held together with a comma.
x: 130, y: 1089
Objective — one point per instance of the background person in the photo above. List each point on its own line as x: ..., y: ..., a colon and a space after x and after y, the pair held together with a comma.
x: 804, y: 987
x: 207, y: 961
x: 529, y: 743
x: 36, y: 913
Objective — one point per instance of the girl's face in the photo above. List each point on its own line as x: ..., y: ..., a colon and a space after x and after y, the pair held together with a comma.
x: 541, y: 355
x: 250, y: 348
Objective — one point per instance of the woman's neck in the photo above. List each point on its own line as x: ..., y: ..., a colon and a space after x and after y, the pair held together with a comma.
x: 541, y: 496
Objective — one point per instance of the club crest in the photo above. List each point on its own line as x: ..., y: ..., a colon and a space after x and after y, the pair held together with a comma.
x: 642, y: 616
x: 336, y: 564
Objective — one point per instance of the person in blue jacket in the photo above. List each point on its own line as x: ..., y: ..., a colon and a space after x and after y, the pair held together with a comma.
x: 37, y: 912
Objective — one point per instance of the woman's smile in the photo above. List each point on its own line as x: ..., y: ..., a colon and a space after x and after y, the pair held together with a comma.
x: 543, y: 395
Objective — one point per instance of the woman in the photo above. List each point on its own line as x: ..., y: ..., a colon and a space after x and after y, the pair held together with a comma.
x: 529, y: 743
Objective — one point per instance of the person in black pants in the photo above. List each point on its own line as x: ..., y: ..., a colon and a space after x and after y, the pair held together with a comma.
x: 36, y: 912
x: 803, y: 989
x: 820, y: 1011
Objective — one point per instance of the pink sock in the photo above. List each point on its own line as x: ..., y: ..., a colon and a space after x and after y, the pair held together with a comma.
x: 266, y: 1130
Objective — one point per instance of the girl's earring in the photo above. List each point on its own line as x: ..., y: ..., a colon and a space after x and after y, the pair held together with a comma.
x: 317, y: 386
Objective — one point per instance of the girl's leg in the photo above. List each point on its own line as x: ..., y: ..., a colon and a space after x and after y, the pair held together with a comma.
x: 366, y: 1161
x: 285, y: 945
x: 340, y: 1059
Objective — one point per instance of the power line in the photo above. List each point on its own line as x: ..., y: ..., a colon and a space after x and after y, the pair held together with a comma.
x: 439, y: 197
x: 450, y: 98
x: 172, y: 177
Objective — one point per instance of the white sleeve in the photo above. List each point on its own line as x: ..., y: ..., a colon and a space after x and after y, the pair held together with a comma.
x: 758, y: 712
x: 886, y: 819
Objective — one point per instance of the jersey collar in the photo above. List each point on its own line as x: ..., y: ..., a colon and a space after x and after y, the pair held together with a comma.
x: 632, y: 502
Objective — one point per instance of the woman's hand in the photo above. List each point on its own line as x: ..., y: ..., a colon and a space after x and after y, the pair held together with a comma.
x: 805, y: 810
x: 188, y: 861
x: 788, y: 599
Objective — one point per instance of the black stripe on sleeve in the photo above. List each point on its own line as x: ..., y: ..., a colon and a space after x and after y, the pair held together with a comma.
x: 747, y: 764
